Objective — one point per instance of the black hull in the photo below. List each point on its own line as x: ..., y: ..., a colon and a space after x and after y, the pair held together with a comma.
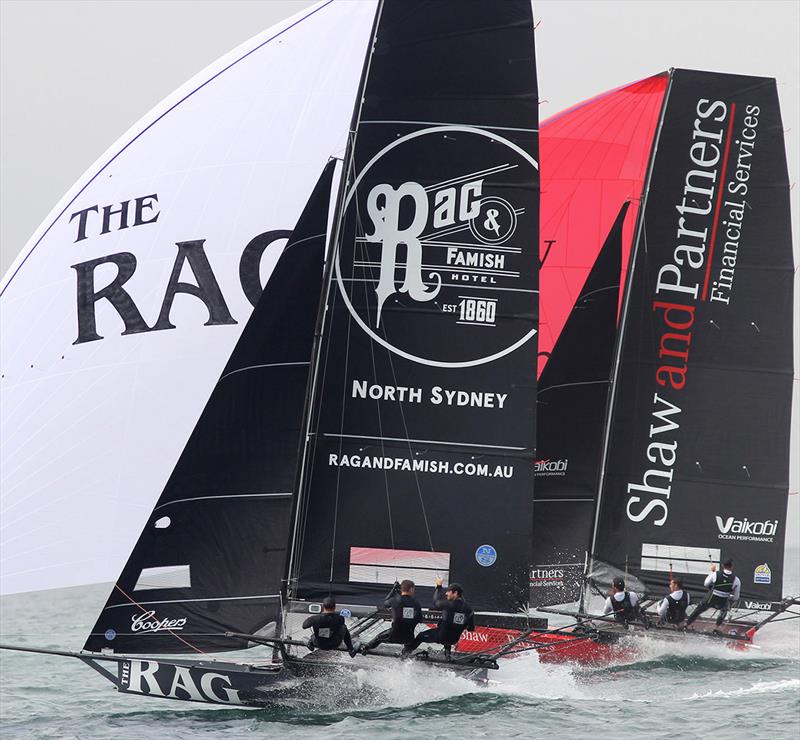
x: 227, y: 683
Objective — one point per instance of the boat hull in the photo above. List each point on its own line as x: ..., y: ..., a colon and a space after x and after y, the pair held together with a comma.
x: 599, y: 647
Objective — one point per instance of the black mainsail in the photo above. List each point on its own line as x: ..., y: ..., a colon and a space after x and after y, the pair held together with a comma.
x: 421, y: 432
x: 571, y: 410
x: 696, y: 456
x: 212, y: 554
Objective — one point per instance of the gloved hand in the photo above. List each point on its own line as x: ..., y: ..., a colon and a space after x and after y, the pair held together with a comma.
x: 396, y: 588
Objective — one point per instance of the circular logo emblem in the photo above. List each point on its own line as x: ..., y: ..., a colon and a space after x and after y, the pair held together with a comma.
x: 486, y: 555
x: 346, y: 613
x: 437, y: 247
x: 110, y: 634
x: 495, y: 221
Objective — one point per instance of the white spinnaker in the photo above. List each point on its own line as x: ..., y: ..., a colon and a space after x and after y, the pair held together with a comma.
x: 91, y: 431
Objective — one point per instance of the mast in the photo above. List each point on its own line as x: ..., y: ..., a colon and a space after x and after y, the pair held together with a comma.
x: 638, y: 229
x: 308, y: 411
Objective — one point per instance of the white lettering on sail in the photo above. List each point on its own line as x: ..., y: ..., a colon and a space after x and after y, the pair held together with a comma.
x: 383, y: 206
x: 148, y: 622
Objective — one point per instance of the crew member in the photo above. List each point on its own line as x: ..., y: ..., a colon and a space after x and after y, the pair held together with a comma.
x: 723, y: 588
x: 624, y: 605
x: 406, y: 615
x: 329, y: 628
x: 672, y: 608
x: 457, y: 615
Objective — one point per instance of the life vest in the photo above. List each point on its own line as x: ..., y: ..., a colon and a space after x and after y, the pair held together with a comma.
x: 406, y: 614
x: 676, y: 608
x: 623, y: 609
x: 723, y: 586
x: 327, y: 631
x: 456, y: 615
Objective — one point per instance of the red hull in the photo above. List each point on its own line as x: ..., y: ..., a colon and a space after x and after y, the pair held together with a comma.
x: 562, y: 646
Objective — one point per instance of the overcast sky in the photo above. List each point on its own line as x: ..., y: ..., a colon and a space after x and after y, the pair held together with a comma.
x: 74, y: 75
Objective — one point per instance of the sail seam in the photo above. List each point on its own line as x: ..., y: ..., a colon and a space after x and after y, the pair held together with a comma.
x: 182, y: 601
x: 423, y: 441
x: 232, y: 495
x: 256, y: 367
x: 472, y: 125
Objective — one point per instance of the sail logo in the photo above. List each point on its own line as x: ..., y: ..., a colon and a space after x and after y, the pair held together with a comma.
x: 383, y: 207
x: 762, y: 574
x: 743, y: 529
x: 148, y: 622
x: 550, y: 467
x: 437, y: 237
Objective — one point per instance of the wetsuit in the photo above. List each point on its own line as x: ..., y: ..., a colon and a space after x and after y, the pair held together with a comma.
x: 329, y: 631
x: 723, y: 588
x: 406, y: 615
x: 457, y: 615
x: 672, y: 608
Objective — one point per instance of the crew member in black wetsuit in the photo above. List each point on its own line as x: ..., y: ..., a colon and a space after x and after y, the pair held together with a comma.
x: 457, y: 615
x: 330, y: 630
x: 724, y: 587
x: 624, y: 605
x: 406, y: 615
x: 672, y: 608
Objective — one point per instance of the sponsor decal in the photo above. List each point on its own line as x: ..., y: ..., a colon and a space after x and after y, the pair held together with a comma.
x: 110, y: 634
x: 486, y: 555
x: 446, y: 245
x: 345, y: 613
x: 731, y: 528
x: 762, y: 574
x: 544, y: 576
x: 550, y: 467
x: 690, y: 278
x: 765, y: 606
x: 149, y: 622
x: 416, y: 465
x: 152, y: 678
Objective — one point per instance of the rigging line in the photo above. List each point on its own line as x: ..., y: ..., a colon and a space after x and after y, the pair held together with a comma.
x: 341, y: 427
x: 405, y: 429
x: 427, y: 441
x: 178, y: 637
x: 639, y: 233
x: 215, y: 598
x: 378, y: 408
x: 308, y: 453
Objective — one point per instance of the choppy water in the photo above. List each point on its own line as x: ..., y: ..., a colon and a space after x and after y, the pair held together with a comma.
x: 693, y: 690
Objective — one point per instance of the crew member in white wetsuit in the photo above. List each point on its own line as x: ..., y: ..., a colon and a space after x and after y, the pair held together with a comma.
x: 624, y: 605
x: 672, y: 608
x: 723, y: 588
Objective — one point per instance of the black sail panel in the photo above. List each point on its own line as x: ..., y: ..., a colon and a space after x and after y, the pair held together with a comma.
x: 570, y: 420
x: 423, y: 427
x: 698, y: 450
x: 211, y: 557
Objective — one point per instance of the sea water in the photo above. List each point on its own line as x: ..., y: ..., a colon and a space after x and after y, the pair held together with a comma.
x: 695, y: 688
